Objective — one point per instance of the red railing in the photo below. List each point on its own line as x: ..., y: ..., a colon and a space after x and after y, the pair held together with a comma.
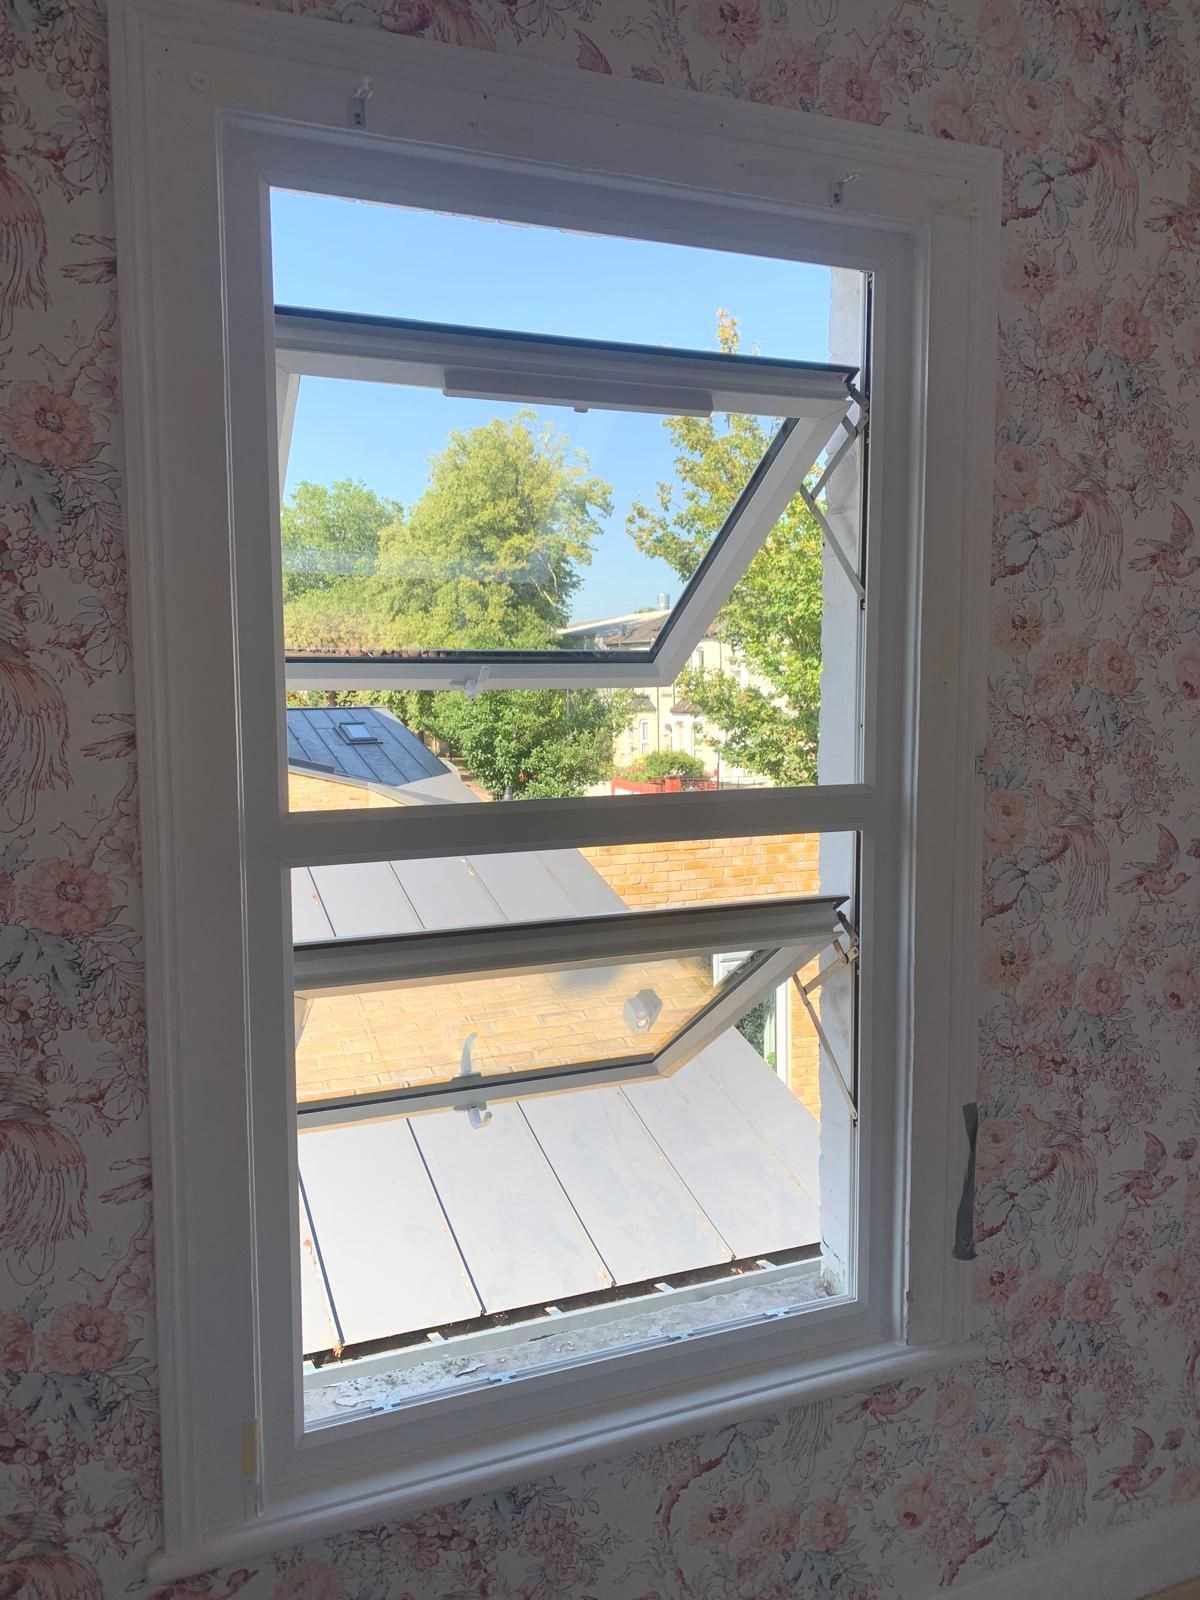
x: 659, y: 785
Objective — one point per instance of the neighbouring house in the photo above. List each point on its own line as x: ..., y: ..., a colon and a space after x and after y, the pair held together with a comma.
x: 663, y: 719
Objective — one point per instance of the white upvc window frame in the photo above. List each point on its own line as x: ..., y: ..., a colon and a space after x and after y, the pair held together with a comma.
x: 213, y: 101
x: 811, y: 403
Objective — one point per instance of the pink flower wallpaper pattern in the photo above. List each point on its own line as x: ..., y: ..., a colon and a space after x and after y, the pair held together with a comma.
x: 1084, y: 1412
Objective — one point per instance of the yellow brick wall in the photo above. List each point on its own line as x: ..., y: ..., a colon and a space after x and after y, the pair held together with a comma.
x: 307, y: 793
x: 697, y: 872
x: 397, y: 1038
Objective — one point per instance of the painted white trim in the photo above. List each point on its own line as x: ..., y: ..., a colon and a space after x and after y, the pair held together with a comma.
x: 1130, y: 1562
x: 212, y: 90
x: 906, y: 176
x: 381, y: 1500
x: 406, y: 832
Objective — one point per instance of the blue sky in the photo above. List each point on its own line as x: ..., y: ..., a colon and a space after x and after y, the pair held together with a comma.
x: 346, y: 255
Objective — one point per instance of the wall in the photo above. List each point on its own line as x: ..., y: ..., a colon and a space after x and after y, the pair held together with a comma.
x: 320, y: 794
x: 1083, y: 1412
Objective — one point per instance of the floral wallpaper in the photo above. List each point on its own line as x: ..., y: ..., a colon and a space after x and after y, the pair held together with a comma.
x: 1084, y: 1412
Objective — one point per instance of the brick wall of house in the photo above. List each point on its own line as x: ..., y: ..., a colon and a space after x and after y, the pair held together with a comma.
x: 306, y: 793
x: 698, y: 872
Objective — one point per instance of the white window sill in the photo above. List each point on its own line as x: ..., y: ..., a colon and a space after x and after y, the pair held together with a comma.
x: 305, y: 1514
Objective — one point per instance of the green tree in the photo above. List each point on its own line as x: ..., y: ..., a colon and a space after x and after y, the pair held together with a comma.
x: 773, y: 617
x: 488, y: 557
x: 534, y: 743
x: 496, y: 542
x: 331, y: 533
x: 659, y: 764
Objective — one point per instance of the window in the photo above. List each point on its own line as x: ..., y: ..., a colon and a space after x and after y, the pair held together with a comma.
x: 803, y: 404
x: 627, y: 1003
x: 552, y: 1004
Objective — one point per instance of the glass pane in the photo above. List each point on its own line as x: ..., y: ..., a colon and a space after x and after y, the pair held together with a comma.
x: 504, y: 527
x: 652, y: 1207
x: 577, y: 1222
x: 435, y: 266
x: 770, y: 696
x: 497, y: 1024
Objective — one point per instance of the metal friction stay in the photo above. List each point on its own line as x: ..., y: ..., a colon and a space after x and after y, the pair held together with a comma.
x: 811, y: 495
x: 845, y: 947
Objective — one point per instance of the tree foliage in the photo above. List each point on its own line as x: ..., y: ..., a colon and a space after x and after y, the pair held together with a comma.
x: 658, y: 764
x: 488, y: 557
x: 331, y: 533
x: 535, y: 743
x: 509, y: 504
x: 773, y: 617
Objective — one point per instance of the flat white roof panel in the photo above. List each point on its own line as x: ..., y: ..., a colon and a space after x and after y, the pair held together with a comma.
x: 641, y: 1216
x: 363, y: 899
x: 519, y: 1235
x: 447, y: 892
x: 310, y: 925
x: 318, y: 1330
x: 581, y: 883
x: 756, y: 1203
x: 391, y: 1260
x: 777, y: 1116
x: 524, y: 888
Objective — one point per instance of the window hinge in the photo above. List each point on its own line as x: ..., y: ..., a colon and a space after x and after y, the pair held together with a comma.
x: 831, y: 539
x: 844, y: 955
x: 853, y: 431
x: 981, y: 763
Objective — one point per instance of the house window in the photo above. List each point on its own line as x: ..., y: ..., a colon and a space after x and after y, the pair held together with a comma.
x: 411, y: 961
x: 534, y: 1040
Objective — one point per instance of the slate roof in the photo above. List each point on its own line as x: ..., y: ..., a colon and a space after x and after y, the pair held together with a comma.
x: 394, y: 757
